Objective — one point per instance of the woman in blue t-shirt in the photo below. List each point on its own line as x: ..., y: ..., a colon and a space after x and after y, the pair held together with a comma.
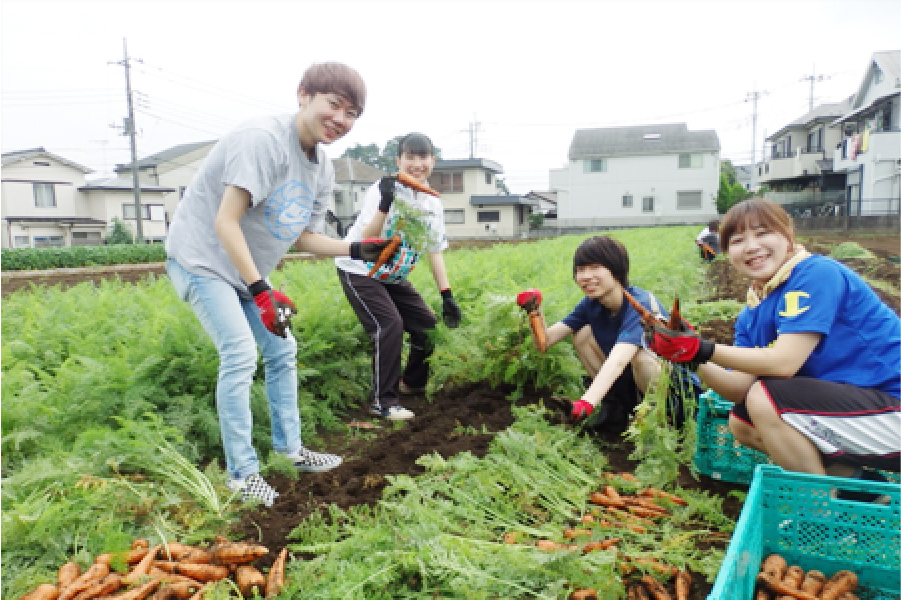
x: 814, y: 372
x: 608, y: 335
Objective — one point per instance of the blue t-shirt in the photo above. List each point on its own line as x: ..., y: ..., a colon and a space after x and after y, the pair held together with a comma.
x: 861, y: 343
x: 608, y: 330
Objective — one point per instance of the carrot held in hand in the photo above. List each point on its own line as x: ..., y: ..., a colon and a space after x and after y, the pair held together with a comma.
x: 530, y: 301
x: 410, y: 182
x: 386, y: 254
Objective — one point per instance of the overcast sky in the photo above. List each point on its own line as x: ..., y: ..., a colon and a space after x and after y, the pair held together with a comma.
x: 527, y: 73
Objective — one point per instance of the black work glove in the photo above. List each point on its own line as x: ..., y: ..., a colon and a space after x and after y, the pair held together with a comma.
x: 679, y: 346
x: 450, y: 310
x: 276, y: 309
x: 386, y: 188
x: 368, y: 250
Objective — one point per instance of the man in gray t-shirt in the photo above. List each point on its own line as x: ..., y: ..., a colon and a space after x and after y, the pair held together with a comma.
x: 263, y: 188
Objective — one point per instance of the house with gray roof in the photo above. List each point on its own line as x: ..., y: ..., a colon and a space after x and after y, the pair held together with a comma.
x: 638, y: 175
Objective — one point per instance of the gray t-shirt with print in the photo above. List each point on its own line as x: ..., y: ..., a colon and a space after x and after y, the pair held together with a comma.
x: 289, y: 195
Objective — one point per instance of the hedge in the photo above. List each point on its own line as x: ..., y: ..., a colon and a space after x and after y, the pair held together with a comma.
x: 32, y: 259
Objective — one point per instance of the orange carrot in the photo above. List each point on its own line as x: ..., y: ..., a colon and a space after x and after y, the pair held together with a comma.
x: 675, y: 316
x: 551, y: 546
x: 655, y: 588
x: 45, y: 591
x: 539, y: 330
x: 587, y: 519
x: 101, y: 587
x: 611, y: 493
x: 67, y: 573
x: 644, y: 313
x: 106, y: 558
x: 200, y: 572
x: 783, y: 588
x: 641, y: 511
x: 655, y: 493
x: 627, y: 515
x: 412, y: 183
x: 637, y: 592
x: 603, y: 499
x: 275, y: 581
x: 574, y: 533
x: 843, y: 581
x: 794, y: 575
x: 683, y: 585
x: 584, y: 594
x: 179, y: 590
x: 656, y: 565
x: 628, y: 477
x: 143, y: 567
x: 813, y: 582
x: 139, y: 592
x: 386, y: 254
x: 249, y: 579
x: 140, y: 543
x: 176, y: 550
x: 774, y: 566
x: 237, y: 553
x: 84, y: 581
x: 158, y: 572
x: 600, y: 545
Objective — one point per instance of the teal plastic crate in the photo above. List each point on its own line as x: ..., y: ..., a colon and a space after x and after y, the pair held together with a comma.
x: 797, y: 516
x: 717, y: 454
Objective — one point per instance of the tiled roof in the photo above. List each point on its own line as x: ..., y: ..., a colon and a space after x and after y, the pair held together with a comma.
x: 641, y: 140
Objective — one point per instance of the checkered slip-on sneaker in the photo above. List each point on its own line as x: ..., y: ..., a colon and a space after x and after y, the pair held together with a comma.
x: 313, y: 462
x: 254, y: 489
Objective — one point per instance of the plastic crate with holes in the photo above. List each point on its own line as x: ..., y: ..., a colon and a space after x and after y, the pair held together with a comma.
x: 801, y: 517
x: 717, y: 454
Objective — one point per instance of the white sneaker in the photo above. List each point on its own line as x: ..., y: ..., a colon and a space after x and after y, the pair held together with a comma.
x: 253, y: 489
x: 392, y: 413
x: 313, y: 462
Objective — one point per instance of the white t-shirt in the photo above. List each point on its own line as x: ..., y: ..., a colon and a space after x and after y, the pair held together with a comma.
x: 289, y: 195
x: 407, y: 256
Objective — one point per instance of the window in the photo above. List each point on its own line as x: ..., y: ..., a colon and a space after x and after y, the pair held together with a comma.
x: 815, y: 140
x: 181, y: 191
x: 647, y: 204
x: 595, y: 165
x: 688, y: 200
x: 488, y: 216
x: 454, y: 216
x: 488, y: 177
x: 149, y: 212
x: 44, y: 195
x: 48, y: 241
x: 448, y: 182
x: 627, y: 201
x: 691, y: 161
x: 22, y: 241
x: 86, y: 238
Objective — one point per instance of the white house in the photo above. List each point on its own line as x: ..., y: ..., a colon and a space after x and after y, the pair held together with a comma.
x: 869, y: 151
x: 352, y: 179
x: 473, y: 206
x: 639, y: 175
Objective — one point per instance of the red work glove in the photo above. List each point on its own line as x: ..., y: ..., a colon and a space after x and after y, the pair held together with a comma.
x: 678, y: 346
x: 581, y: 410
x: 276, y: 309
x: 529, y: 299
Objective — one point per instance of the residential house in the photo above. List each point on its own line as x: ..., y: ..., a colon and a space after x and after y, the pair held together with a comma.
x: 546, y: 203
x: 638, y: 175
x: 744, y: 176
x: 869, y: 150
x: 473, y: 206
x: 352, y: 179
x: 47, y: 201
x: 799, y: 170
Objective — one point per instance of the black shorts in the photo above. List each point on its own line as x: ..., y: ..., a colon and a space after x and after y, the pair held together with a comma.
x: 846, y: 423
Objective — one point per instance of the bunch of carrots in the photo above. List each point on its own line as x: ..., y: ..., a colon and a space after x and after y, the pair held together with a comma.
x: 777, y: 581
x: 171, y: 571
x: 634, y: 512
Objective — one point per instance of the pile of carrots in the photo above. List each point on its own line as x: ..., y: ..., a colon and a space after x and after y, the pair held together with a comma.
x: 777, y: 580
x: 171, y: 571
x: 634, y: 512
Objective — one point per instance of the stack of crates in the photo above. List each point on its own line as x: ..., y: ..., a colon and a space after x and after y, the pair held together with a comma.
x: 717, y: 454
x: 799, y: 517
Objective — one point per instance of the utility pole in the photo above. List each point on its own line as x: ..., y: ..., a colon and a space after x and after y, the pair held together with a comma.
x: 812, y: 78
x: 473, y: 137
x: 753, y: 97
x: 129, y: 126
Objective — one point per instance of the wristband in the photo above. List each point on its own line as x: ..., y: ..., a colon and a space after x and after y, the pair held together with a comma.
x: 258, y: 287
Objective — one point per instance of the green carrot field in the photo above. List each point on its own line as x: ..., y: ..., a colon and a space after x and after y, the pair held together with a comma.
x: 110, y: 431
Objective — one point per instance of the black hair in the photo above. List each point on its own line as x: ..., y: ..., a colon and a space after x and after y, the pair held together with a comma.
x: 417, y: 144
x: 604, y: 251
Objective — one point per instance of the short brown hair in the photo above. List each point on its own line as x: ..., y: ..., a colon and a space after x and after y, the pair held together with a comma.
x: 607, y: 252
x: 334, y: 78
x: 755, y: 211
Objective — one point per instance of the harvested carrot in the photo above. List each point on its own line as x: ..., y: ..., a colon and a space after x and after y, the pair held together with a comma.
x: 587, y: 519
x: 133, y: 556
x: 656, y: 565
x: 139, y: 592
x: 763, y: 594
x: 602, y: 499
x: 551, y: 546
x: 584, y: 594
x: 45, y: 591
x: 683, y: 584
x: 637, y: 592
x: 104, y: 558
x: 843, y: 581
x: 143, y: 567
x: 539, y: 330
x: 95, y: 571
x: 641, y: 511
x: 600, y: 545
x: 386, y: 254
x: 237, y: 553
x: 848, y: 596
x: 611, y: 492
x: 179, y: 590
x: 412, y: 183
x: 813, y: 582
x: 176, y: 550
x: 655, y: 588
x: 67, y: 573
x: 646, y: 503
x: 675, y: 316
x: 574, y: 533
x: 794, y: 575
x: 101, y: 587
x: 644, y: 313
x: 197, y: 556
x: 655, y: 493
x: 782, y: 588
x: 158, y: 572
x: 629, y: 516
x: 249, y: 579
x: 275, y: 581
x: 140, y: 543
x: 774, y: 566
x: 203, y: 573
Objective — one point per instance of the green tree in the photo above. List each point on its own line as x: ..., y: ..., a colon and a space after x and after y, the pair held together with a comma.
x: 728, y: 169
x: 384, y: 159
x: 119, y: 233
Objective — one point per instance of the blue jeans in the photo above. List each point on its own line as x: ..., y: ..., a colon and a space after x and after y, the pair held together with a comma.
x: 235, y: 327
